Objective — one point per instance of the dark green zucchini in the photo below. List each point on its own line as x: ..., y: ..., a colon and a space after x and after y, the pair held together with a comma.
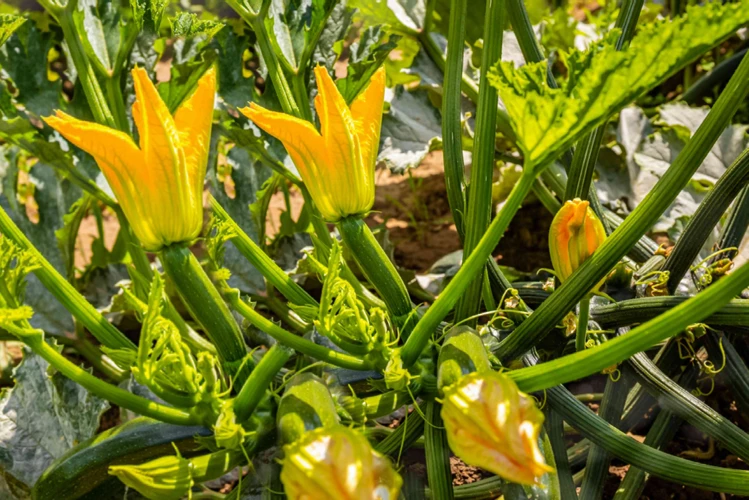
x: 82, y: 471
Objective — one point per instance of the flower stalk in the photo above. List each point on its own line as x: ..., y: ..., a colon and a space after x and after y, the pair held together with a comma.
x: 205, y: 304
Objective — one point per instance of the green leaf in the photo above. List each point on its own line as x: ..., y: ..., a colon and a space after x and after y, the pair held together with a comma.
x: 108, y: 38
x: 248, y: 176
x: 148, y: 14
x: 184, y: 79
x: 234, y: 87
x: 330, y: 43
x: 602, y: 81
x: 68, y: 233
x: 367, y: 55
x: 20, y: 132
x: 294, y: 26
x: 24, y: 58
x: 41, y: 418
x: 403, y: 16
x: 8, y: 24
x: 410, y: 129
x: 189, y: 25
x: 53, y: 198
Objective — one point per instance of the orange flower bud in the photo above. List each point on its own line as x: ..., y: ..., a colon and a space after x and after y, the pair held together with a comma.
x: 337, y: 463
x: 576, y: 232
x: 492, y: 425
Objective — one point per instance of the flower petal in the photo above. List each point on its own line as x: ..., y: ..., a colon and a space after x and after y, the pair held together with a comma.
x: 193, y: 120
x: 305, y: 146
x: 367, y: 113
x: 159, y: 141
x: 344, y: 163
x: 120, y: 161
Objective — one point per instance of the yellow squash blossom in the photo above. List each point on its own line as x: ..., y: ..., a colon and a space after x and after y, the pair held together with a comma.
x: 338, y: 464
x: 159, y: 183
x: 492, y: 425
x: 576, y: 232
x: 337, y: 164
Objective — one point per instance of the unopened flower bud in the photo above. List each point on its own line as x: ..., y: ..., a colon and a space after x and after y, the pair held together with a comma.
x: 337, y: 464
x: 576, y: 232
x: 165, y: 478
x: 492, y: 425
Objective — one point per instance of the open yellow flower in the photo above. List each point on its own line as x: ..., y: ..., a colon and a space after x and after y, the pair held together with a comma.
x: 337, y: 463
x: 336, y: 164
x: 158, y: 184
x: 576, y: 232
x: 492, y: 425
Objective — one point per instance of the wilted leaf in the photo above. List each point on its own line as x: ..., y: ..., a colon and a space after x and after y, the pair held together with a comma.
x: 601, y: 81
x: 41, y: 418
x: 410, y: 129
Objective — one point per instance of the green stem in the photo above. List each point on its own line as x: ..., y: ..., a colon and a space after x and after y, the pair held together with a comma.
x: 479, y: 211
x: 704, y: 220
x: 470, y: 268
x: 555, y: 432
x: 589, y: 361
x: 660, y: 464
x: 632, y: 311
x: 736, y: 224
x: 118, y: 396
x: 280, y: 83
x: 264, y: 264
x: 86, y: 75
x: 65, y: 293
x: 117, y: 101
x: 376, y: 265
x: 597, y: 465
x: 262, y: 375
x: 638, y: 223
x: 294, y: 341
x: 452, y: 129
x: 716, y: 76
x: 207, y: 307
x: 671, y: 396
x: 437, y: 454
x: 582, y: 325
x: 323, y: 244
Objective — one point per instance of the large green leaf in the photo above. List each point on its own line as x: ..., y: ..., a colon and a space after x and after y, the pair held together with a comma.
x: 603, y: 80
x: 410, y: 129
x: 41, y: 418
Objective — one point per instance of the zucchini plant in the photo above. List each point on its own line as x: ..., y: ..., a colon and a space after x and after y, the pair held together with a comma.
x: 181, y: 339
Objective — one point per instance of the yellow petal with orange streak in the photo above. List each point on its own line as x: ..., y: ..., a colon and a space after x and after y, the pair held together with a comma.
x: 159, y: 141
x: 193, y: 120
x: 120, y: 161
x: 367, y: 113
